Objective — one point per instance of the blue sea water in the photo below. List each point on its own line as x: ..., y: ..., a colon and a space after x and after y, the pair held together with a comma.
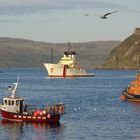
x: 93, y: 108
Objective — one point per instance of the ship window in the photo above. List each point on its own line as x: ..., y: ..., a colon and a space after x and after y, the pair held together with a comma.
x: 12, y: 102
x: 16, y: 103
x: 6, y: 102
x: 9, y: 102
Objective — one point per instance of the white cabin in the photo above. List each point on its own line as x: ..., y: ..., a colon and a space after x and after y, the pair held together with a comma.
x: 69, y: 58
x: 14, y: 105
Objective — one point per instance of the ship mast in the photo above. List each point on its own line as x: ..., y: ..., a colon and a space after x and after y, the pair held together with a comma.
x: 69, y: 47
x: 13, y: 90
x: 51, y: 55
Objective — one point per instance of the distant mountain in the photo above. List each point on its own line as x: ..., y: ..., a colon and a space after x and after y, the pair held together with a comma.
x: 22, y: 53
x: 127, y: 54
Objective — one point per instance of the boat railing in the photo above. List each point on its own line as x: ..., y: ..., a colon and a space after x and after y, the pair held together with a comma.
x: 53, y: 109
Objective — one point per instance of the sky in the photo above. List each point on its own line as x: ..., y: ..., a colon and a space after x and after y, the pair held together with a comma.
x: 62, y: 21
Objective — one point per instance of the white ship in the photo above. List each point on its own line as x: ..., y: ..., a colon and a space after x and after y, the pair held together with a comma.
x: 67, y: 67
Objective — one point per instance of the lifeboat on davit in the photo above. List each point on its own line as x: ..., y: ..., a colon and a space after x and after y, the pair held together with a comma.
x: 132, y: 92
x: 13, y: 108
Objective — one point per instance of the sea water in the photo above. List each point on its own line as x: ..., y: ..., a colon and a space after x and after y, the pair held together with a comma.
x: 93, y: 108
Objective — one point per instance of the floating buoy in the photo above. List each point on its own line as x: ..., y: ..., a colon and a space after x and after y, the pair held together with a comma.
x: 48, y: 116
x: 44, y: 111
x: 35, y: 114
x: 41, y: 113
x: 38, y: 111
x: 123, y: 97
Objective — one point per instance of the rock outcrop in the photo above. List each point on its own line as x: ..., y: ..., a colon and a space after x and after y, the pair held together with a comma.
x: 126, y: 55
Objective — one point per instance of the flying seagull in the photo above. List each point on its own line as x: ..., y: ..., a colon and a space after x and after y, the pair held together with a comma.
x: 105, y: 15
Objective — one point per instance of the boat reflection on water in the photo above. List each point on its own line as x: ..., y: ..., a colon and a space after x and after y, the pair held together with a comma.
x: 135, y: 106
x: 39, y: 131
x: 36, y: 125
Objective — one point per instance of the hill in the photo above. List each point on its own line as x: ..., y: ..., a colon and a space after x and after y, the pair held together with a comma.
x: 22, y: 53
x: 127, y: 54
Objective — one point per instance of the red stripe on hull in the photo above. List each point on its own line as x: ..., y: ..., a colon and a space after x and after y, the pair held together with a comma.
x: 30, y: 118
x: 64, y: 71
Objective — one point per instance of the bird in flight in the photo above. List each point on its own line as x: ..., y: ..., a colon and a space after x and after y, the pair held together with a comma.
x: 105, y: 15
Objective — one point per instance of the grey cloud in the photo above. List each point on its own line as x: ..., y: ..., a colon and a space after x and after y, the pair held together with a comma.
x: 9, y: 21
x: 32, y: 6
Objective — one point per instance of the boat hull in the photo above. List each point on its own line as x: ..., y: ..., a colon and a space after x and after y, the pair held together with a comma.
x: 58, y: 70
x: 48, y: 118
x: 131, y: 97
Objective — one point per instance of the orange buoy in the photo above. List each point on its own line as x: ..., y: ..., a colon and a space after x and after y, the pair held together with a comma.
x: 123, y: 97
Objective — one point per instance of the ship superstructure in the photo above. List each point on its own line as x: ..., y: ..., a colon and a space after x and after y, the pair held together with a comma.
x: 67, y: 67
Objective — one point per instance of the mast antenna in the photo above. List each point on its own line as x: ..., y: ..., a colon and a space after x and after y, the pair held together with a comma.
x: 13, y: 91
x: 51, y: 55
x: 69, y: 47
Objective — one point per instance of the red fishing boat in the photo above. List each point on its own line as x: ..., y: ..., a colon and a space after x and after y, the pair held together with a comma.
x: 13, y: 108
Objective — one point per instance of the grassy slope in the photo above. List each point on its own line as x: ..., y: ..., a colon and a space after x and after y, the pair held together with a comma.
x: 27, y: 53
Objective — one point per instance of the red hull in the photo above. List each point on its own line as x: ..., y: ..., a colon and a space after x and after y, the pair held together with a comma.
x: 50, y: 119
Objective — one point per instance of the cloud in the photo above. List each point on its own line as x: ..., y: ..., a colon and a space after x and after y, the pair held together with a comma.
x: 32, y: 6
x: 9, y: 21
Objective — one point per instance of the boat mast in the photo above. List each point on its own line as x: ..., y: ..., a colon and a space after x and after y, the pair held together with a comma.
x: 51, y: 55
x: 69, y: 47
x: 13, y: 91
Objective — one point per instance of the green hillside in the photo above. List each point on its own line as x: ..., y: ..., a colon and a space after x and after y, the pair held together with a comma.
x: 24, y: 53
